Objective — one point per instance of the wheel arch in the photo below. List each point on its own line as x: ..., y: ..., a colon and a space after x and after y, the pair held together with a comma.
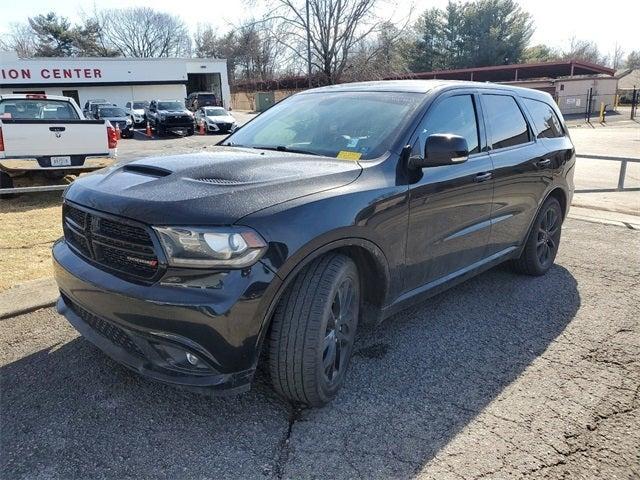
x: 373, y: 270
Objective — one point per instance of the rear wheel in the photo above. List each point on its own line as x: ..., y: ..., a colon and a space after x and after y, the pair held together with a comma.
x: 544, y: 239
x: 6, y: 182
x: 313, y: 331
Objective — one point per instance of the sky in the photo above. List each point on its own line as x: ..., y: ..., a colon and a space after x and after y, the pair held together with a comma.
x: 556, y: 21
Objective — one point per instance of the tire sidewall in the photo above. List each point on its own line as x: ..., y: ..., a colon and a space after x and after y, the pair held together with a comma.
x: 325, y: 390
x: 533, y: 238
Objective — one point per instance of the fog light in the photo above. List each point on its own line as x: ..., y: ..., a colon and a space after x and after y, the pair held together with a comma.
x: 192, y: 359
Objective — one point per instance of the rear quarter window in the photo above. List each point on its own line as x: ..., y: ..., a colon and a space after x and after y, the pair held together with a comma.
x: 545, y: 120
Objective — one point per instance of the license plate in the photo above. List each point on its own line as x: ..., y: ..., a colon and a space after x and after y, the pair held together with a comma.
x: 60, y: 161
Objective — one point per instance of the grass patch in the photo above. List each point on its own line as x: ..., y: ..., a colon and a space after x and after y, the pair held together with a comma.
x: 29, y: 224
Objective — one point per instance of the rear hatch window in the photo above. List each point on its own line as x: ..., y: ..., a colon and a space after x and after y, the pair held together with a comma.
x: 36, y: 109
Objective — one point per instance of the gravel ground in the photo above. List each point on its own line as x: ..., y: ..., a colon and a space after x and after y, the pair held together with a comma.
x: 504, y: 376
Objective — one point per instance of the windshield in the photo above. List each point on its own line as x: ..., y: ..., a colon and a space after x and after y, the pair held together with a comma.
x: 175, y: 105
x: 215, y: 112
x: 353, y: 125
x: 111, y: 112
x: 140, y: 105
x: 37, y: 109
x: 206, y: 97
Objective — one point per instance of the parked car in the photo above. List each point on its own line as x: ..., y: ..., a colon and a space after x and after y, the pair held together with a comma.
x: 47, y: 133
x: 170, y: 116
x: 136, y: 111
x: 87, y: 106
x: 197, y: 100
x: 118, y: 119
x: 338, y: 206
x: 215, y: 119
x: 93, y: 111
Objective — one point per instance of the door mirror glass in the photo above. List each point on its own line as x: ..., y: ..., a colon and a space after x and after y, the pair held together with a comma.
x: 443, y: 149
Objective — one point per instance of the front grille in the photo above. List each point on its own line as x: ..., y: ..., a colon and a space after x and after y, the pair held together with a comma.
x: 178, y: 120
x: 124, y: 249
x: 108, y: 330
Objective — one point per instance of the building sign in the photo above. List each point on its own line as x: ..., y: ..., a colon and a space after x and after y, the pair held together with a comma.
x: 62, y: 71
x: 49, y: 73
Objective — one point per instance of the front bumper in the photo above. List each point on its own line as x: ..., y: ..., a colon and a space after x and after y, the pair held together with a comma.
x: 220, y: 128
x: 143, y: 326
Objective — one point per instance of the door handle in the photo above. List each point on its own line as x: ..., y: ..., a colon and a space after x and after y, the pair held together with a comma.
x: 483, y: 177
x: 543, y: 163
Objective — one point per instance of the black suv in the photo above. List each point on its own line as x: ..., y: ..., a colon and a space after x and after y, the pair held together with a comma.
x: 166, y: 116
x: 338, y: 206
x: 198, y: 100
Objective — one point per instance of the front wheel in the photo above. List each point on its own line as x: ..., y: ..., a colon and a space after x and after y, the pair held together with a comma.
x: 544, y: 239
x: 313, y: 331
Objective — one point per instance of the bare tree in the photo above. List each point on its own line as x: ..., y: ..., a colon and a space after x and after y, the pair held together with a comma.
x: 144, y: 32
x: 20, y: 39
x: 616, y: 56
x: 336, y: 27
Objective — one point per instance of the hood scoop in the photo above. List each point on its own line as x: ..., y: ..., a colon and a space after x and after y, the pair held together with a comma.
x: 148, y: 170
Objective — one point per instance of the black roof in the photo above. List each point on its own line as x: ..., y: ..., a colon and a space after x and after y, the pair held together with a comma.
x: 424, y: 86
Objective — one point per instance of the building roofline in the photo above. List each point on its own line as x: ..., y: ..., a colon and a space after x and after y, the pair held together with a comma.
x: 124, y: 59
x: 566, y: 63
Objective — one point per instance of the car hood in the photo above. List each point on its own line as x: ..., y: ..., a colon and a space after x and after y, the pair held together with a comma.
x: 115, y: 119
x: 174, y: 112
x: 214, y: 188
x: 221, y: 118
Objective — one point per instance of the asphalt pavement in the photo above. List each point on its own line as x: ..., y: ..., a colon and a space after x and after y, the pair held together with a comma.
x: 504, y: 376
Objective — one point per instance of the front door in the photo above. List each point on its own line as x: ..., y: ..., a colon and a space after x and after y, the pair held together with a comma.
x: 449, y: 206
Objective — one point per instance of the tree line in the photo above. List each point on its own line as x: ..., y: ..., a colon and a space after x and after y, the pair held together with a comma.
x: 348, y: 41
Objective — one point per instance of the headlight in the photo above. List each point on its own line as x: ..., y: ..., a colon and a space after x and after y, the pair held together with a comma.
x: 217, y: 247
x: 129, y: 121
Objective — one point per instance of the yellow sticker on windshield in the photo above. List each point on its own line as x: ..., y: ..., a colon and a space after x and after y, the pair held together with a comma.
x: 346, y: 155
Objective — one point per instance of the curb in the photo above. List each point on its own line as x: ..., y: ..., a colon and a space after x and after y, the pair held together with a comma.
x: 27, y: 297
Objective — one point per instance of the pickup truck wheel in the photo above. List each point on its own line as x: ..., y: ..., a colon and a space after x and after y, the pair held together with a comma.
x: 6, y: 182
x: 544, y: 239
x: 160, y: 131
x: 313, y: 331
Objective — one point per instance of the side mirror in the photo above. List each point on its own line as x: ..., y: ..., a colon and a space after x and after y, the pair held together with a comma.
x: 442, y: 149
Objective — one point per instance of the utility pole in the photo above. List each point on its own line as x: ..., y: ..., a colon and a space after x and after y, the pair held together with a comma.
x: 308, y: 46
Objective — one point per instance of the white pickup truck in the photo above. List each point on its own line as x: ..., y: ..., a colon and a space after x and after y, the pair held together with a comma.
x: 46, y: 133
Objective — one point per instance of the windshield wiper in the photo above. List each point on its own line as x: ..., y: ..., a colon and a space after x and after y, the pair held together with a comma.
x: 283, y: 148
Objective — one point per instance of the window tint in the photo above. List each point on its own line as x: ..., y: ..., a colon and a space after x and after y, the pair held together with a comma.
x: 544, y: 118
x: 454, y: 115
x: 505, y: 121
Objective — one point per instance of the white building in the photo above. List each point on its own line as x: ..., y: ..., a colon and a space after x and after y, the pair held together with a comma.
x: 116, y: 80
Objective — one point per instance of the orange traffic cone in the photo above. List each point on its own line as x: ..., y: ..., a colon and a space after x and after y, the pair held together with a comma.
x: 202, y: 132
x: 148, y: 132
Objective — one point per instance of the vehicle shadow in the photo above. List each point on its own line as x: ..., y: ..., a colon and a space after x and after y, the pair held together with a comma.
x: 415, y: 382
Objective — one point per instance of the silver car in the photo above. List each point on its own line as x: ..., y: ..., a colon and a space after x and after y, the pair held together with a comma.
x: 215, y: 119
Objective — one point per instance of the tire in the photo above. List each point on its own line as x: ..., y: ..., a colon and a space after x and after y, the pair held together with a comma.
x: 190, y: 131
x: 540, y: 250
x: 6, y: 182
x: 308, y: 355
x: 160, y: 131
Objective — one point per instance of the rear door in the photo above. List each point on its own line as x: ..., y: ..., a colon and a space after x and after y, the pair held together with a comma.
x: 520, y: 169
x: 450, y: 206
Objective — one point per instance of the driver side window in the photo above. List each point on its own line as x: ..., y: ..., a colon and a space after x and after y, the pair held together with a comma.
x: 455, y: 115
